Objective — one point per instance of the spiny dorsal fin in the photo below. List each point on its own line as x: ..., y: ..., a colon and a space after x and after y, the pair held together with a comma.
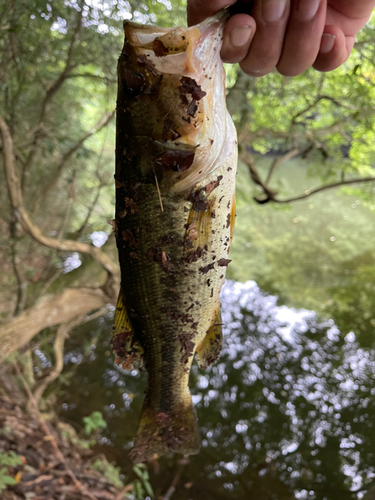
x: 129, y: 352
x: 208, y: 351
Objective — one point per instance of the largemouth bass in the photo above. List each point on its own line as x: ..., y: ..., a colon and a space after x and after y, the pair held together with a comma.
x: 176, y: 159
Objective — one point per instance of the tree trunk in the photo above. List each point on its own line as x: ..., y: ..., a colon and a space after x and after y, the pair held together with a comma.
x: 49, y: 311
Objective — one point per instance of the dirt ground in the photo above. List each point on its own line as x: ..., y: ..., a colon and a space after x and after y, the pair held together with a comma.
x: 50, y: 466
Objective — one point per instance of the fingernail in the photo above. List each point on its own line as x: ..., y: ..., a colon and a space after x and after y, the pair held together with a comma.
x: 240, y: 36
x: 327, y: 42
x: 273, y: 10
x: 307, y: 9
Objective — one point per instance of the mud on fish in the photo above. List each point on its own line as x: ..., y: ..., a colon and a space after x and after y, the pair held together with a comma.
x: 176, y: 158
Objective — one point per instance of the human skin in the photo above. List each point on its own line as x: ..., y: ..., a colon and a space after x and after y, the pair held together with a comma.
x: 289, y: 35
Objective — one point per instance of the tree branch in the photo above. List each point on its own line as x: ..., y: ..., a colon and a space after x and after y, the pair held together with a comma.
x: 270, y: 194
x: 58, y: 349
x: 48, y: 96
x: 324, y: 188
x: 101, y: 123
x: 277, y: 161
x: 48, y: 312
x: 32, y: 229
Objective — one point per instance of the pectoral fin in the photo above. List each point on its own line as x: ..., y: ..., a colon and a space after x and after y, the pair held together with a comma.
x: 128, y: 350
x: 208, y: 351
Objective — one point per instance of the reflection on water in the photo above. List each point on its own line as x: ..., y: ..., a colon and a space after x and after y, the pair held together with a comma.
x: 288, y: 411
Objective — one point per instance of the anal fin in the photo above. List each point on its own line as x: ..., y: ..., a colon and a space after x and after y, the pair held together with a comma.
x: 209, y: 350
x: 128, y: 351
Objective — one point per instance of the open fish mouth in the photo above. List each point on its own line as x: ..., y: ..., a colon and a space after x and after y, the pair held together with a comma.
x: 196, y: 120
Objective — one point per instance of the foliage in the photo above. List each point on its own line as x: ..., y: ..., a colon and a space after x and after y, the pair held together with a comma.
x: 141, y: 486
x: 111, y: 472
x: 9, y: 459
x: 144, y: 483
x: 94, y: 422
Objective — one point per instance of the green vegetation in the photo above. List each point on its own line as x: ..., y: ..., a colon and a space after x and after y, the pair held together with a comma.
x: 10, y: 459
x: 296, y: 135
x: 94, y: 422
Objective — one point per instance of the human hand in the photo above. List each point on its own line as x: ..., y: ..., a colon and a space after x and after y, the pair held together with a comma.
x: 291, y: 35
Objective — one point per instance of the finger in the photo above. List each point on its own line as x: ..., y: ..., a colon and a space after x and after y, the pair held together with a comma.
x: 271, y: 17
x: 199, y: 10
x: 303, y: 35
x: 335, y: 48
x: 238, y: 33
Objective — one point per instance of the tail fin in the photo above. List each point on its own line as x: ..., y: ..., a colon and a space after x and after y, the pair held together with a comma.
x: 160, y: 432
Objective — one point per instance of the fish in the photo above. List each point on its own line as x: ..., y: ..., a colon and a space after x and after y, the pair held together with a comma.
x: 176, y: 160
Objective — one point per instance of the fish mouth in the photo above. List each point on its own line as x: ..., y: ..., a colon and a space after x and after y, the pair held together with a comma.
x: 192, y: 56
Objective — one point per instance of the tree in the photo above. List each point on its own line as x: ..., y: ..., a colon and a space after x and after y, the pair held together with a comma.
x: 58, y: 87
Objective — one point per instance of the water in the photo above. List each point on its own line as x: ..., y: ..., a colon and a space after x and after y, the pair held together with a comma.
x: 287, y: 412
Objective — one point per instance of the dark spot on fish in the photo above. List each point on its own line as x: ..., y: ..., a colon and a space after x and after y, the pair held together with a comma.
x: 153, y: 254
x: 134, y: 81
x: 204, y: 270
x: 159, y: 48
x: 142, y: 61
x: 213, y: 185
x: 208, y: 282
x: 213, y: 214
x: 194, y: 256
x: 192, y: 109
x: 168, y: 267
x: 168, y: 133
x: 213, y: 231
x: 130, y: 203
x: 229, y: 169
x: 199, y: 199
x: 178, y: 161
x: 188, y: 119
x: 190, y: 86
x: 155, y: 86
x: 223, y: 262
x: 187, y: 346
x: 228, y: 220
x: 127, y: 235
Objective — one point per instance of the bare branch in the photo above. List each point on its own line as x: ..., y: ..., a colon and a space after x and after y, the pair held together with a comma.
x: 58, y: 349
x: 317, y: 100
x: 324, y: 188
x: 101, y: 123
x: 271, y: 194
x: 31, y: 228
x: 21, y: 280
x: 277, y: 161
x: 49, y: 311
x: 48, y: 97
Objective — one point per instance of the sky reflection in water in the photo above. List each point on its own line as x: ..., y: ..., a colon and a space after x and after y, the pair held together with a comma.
x: 287, y: 412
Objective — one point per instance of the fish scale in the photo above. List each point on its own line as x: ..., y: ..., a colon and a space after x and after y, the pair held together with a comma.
x: 176, y: 156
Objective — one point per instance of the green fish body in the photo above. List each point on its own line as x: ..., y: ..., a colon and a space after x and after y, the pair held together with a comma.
x: 176, y: 159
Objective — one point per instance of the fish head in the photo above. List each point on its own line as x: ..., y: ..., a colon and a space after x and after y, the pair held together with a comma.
x: 174, y: 94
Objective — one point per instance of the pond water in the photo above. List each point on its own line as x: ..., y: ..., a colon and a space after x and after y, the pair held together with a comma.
x: 287, y: 412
